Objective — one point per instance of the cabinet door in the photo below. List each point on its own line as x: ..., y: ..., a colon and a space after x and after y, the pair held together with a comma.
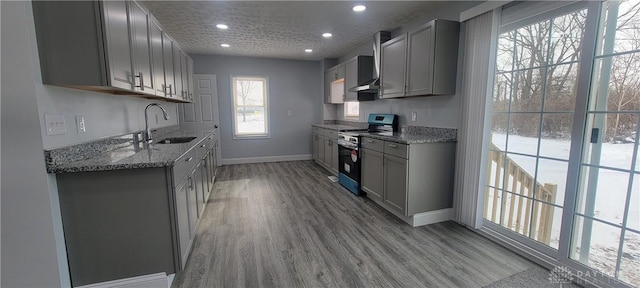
x: 155, y: 34
x: 192, y: 202
x: 182, y: 215
x: 395, y: 183
x: 321, y: 150
x: 143, y: 71
x: 339, y: 72
x: 190, y: 78
x: 199, y: 179
x: 328, y: 153
x: 167, y: 59
x: 372, y: 173
x: 315, y: 145
x: 185, y: 75
x: 334, y: 156
x: 328, y: 77
x: 177, y: 72
x: 393, y: 60
x: 351, y: 79
x: 118, y: 47
x: 420, y: 61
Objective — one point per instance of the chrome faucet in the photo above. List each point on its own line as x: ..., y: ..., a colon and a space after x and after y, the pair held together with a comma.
x: 147, y: 133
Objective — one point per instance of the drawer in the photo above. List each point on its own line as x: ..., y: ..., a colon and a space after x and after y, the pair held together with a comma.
x: 373, y: 144
x: 330, y: 134
x: 183, y: 165
x: 396, y: 149
x: 317, y: 130
x: 201, y: 149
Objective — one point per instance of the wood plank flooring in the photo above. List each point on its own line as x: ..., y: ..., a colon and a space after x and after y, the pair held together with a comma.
x: 285, y: 224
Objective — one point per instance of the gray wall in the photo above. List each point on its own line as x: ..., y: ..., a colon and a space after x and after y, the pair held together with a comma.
x: 435, y: 111
x: 33, y: 252
x: 293, y: 85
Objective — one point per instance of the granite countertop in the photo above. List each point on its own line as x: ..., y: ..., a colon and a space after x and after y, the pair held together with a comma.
x: 338, y: 127
x: 132, y: 156
x: 411, y: 138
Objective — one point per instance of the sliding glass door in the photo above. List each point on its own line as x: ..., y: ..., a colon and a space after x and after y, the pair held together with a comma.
x: 563, y: 171
x: 606, y: 228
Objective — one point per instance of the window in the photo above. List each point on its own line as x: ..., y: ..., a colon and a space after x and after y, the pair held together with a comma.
x: 250, y: 108
x: 351, y: 109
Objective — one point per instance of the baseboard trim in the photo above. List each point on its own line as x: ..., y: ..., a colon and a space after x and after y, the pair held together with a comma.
x: 431, y: 217
x: 283, y: 158
x: 145, y: 281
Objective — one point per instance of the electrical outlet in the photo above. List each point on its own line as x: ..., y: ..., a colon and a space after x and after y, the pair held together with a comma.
x: 55, y: 124
x: 414, y: 116
x: 80, y: 124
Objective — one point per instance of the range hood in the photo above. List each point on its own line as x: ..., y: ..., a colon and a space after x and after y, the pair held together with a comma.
x: 373, y: 85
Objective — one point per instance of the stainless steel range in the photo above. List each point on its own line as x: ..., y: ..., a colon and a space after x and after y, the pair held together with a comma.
x: 349, y: 149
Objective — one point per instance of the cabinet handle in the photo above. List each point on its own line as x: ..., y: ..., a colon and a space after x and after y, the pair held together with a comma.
x: 188, y: 159
x: 141, y: 81
x: 368, y: 141
x: 190, y: 182
x: 393, y: 145
x: 170, y: 90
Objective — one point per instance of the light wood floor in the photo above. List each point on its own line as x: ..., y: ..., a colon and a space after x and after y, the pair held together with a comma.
x: 286, y: 225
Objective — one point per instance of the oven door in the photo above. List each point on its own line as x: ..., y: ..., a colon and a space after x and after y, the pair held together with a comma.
x: 349, y: 166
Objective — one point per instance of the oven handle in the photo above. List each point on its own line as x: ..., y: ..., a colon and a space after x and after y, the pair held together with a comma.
x: 347, y: 144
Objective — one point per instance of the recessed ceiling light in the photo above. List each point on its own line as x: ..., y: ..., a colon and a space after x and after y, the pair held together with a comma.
x: 222, y: 26
x: 308, y: 50
x: 327, y: 35
x: 359, y: 8
x: 225, y: 45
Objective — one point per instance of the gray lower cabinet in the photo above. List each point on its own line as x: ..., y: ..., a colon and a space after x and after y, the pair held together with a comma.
x: 182, y: 215
x: 395, y: 186
x: 372, y: 173
x: 408, y: 178
x: 132, y: 222
x: 325, y: 148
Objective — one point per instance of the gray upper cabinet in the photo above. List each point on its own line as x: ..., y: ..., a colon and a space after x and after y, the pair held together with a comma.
x: 118, y: 50
x: 358, y: 70
x: 185, y: 76
x: 392, y: 58
x: 177, y: 75
x: 167, y: 59
x: 334, y: 91
x: 427, y: 66
x: 155, y: 37
x: 190, y: 78
x: 102, y: 46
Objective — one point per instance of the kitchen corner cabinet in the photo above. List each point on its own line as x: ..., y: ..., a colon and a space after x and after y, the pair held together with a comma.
x: 408, y: 178
x: 102, y: 46
x: 421, y: 62
x: 334, y: 89
x: 133, y: 222
x: 325, y: 148
x: 358, y: 70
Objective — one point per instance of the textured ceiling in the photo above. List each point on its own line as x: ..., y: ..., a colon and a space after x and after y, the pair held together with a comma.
x: 281, y: 29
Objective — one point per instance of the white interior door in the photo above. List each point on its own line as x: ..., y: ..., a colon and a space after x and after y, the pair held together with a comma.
x: 202, y: 115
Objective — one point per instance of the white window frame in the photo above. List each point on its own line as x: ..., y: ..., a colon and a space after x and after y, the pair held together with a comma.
x: 346, y: 110
x: 236, y: 134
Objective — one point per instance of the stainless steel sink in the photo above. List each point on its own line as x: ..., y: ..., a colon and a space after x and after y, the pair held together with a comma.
x: 176, y: 140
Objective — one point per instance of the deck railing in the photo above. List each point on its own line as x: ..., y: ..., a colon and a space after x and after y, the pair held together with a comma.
x: 522, y: 215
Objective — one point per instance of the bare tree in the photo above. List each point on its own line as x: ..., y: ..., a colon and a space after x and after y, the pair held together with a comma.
x: 243, y: 88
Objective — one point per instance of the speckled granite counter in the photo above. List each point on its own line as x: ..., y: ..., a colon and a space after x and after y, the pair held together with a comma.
x: 339, y: 127
x: 126, y: 156
x: 408, y: 138
x: 418, y: 135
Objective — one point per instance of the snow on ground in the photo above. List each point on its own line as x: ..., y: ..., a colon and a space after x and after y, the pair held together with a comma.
x: 610, y: 199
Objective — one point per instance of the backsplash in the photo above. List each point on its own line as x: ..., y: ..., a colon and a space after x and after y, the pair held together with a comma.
x: 81, y: 151
x: 348, y: 123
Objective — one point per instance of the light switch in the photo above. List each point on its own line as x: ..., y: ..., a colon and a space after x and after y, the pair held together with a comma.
x: 55, y: 124
x: 289, y: 113
x: 414, y: 116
